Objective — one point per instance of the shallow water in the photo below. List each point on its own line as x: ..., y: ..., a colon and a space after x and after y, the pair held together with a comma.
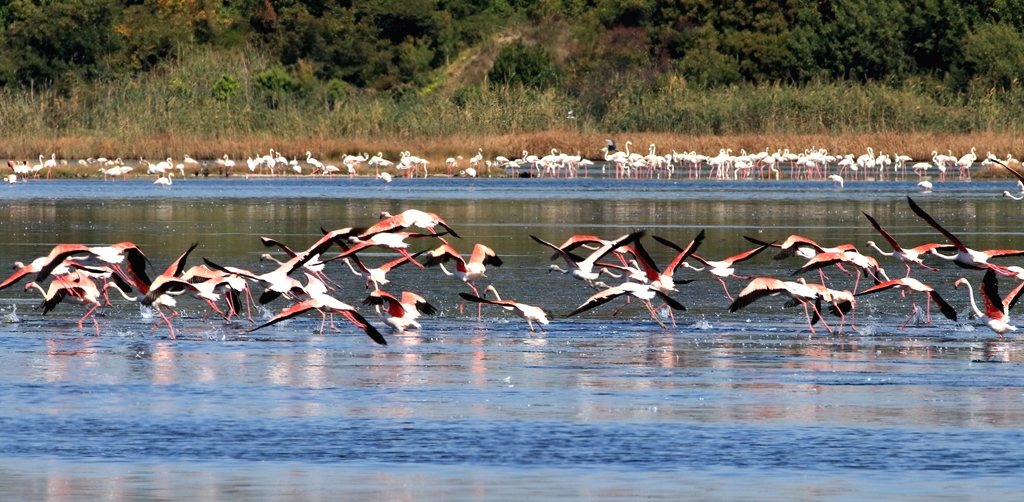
x: 721, y: 406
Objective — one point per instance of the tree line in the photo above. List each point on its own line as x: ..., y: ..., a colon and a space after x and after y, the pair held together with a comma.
x: 589, y: 49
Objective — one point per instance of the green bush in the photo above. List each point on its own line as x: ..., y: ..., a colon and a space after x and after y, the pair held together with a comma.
x: 225, y: 88
x: 275, y: 83
x: 519, y: 64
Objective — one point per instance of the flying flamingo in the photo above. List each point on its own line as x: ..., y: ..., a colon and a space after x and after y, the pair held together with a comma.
x: 866, y: 263
x: 721, y: 268
x: 314, y: 265
x: 400, y: 315
x: 322, y: 302
x: 390, y: 240
x: 376, y: 275
x: 529, y: 313
x: 910, y: 285
x: 965, y: 257
x: 642, y: 292
x: 648, y: 273
x: 465, y: 271
x: 841, y: 303
x: 170, y: 283
x: 74, y: 288
x: 761, y: 287
x: 996, y: 315
x: 1020, y: 177
x: 584, y: 269
x: 406, y: 219
x: 907, y: 256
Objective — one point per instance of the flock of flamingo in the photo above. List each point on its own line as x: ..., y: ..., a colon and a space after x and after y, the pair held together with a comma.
x: 812, y: 163
x: 76, y: 270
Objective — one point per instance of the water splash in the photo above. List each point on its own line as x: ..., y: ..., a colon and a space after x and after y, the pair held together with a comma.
x: 264, y: 313
x: 13, y: 316
x: 702, y: 324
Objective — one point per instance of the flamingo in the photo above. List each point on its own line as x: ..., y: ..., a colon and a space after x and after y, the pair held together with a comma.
x: 50, y: 164
x: 406, y: 219
x: 322, y: 303
x: 965, y: 257
x: 866, y: 263
x: 965, y: 163
x: 642, y: 292
x: 314, y: 265
x: 907, y: 256
x: 251, y: 164
x: 926, y: 186
x: 996, y: 315
x: 761, y: 287
x: 190, y: 163
x: 841, y: 303
x: 164, y: 181
x: 584, y: 269
x: 278, y: 282
x: 910, y: 285
x: 837, y: 179
x: 232, y: 286
x: 377, y: 275
x: 1020, y: 177
x: 723, y: 268
x: 465, y: 271
x: 400, y: 315
x: 170, y: 283
x: 795, y: 245
x: 227, y: 164
x: 75, y: 288
x: 23, y: 270
x: 530, y: 313
x: 390, y: 240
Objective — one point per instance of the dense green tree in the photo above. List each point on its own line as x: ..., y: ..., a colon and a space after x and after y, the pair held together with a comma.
x: 56, y: 41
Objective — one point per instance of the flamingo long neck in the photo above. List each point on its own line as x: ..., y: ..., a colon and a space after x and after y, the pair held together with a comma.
x: 875, y: 246
x: 119, y: 290
x: 691, y: 267
x: 943, y: 256
x: 446, y: 272
x: 350, y: 267
x: 558, y: 269
x: 970, y: 293
x: 496, y: 296
x: 37, y: 286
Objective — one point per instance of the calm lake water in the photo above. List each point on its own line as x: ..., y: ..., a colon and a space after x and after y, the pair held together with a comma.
x: 722, y: 406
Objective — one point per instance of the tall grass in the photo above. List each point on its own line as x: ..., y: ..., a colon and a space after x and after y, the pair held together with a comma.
x: 173, y: 111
